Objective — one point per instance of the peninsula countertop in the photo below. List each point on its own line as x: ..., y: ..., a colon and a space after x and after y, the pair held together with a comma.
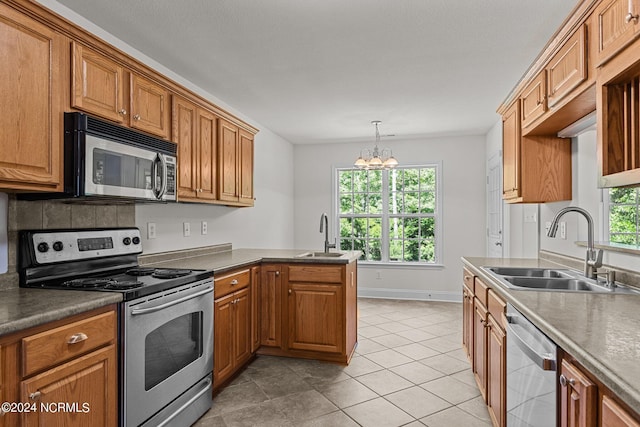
x: 601, y: 331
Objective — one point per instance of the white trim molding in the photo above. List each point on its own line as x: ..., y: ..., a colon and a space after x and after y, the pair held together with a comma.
x: 410, y: 294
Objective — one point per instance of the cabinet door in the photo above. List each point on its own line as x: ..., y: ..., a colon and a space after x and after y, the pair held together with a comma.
x: 534, y: 103
x: 246, y: 168
x: 241, y: 326
x: 496, y: 372
x: 97, y: 84
x: 467, y: 322
x: 184, y: 133
x: 316, y: 317
x: 222, y: 338
x: 228, y: 158
x: 208, y: 155
x: 149, y: 106
x: 578, y: 404
x: 271, y: 306
x: 34, y: 87
x: 255, y: 309
x: 568, y: 68
x: 511, y: 134
x: 480, y: 346
x: 88, y: 383
x: 612, y: 30
x: 614, y: 415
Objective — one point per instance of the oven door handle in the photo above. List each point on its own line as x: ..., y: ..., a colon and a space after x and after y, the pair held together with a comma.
x: 206, y: 388
x: 147, y: 310
x: 544, y: 361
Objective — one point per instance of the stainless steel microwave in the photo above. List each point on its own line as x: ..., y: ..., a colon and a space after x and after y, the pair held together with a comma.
x: 103, y: 160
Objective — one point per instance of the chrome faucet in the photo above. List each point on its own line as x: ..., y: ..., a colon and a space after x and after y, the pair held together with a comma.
x: 324, y: 222
x: 594, y: 258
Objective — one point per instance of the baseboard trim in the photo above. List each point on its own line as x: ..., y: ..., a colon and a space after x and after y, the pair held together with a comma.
x: 411, y: 294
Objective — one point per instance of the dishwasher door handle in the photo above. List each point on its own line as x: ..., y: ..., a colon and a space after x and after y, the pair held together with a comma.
x: 546, y: 361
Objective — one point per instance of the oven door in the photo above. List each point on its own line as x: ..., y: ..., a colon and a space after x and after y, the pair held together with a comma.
x: 121, y: 170
x: 168, y: 348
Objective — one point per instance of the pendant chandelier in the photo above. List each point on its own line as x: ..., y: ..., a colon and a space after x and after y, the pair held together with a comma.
x: 376, y: 159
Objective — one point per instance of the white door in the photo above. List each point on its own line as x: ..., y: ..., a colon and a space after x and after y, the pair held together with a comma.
x: 494, y: 206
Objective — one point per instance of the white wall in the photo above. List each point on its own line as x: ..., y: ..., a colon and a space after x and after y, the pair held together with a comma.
x: 463, y: 195
x: 268, y: 224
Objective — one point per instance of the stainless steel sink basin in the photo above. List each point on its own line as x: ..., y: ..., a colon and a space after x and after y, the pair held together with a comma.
x: 547, y: 279
x: 320, y: 255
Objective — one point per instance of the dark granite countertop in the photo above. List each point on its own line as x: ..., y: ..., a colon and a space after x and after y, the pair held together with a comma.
x: 22, y: 308
x: 601, y: 331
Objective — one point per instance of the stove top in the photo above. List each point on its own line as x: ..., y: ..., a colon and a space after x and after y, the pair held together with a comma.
x: 95, y: 260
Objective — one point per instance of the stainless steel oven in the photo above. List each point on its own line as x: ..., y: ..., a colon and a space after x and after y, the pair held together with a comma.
x: 168, y: 344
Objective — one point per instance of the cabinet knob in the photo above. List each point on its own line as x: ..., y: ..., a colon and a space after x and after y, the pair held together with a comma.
x: 35, y: 395
x: 564, y: 381
x: 76, y: 338
x: 289, y: 291
x: 234, y: 282
x: 136, y: 117
x: 631, y: 17
x: 277, y: 273
x: 123, y: 112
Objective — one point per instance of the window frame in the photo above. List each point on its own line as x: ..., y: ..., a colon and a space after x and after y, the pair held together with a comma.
x: 607, y: 218
x: 437, y: 215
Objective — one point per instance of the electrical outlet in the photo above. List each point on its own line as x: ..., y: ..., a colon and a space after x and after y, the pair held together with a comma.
x: 151, y: 230
x: 532, y: 217
x: 378, y: 275
x: 186, y: 229
x: 203, y: 227
x: 563, y: 230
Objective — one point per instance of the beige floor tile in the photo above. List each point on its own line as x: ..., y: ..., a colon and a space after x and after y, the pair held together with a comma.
x: 374, y: 319
x: 384, y: 382
x: 388, y: 358
x: 366, y: 346
x: 445, y: 364
x: 394, y: 327
x: 361, y: 366
x: 398, y: 315
x: 347, y: 393
x: 416, y: 335
x: 466, y: 377
x: 477, y: 408
x: 416, y: 372
x: 416, y: 351
x: 451, y: 390
x: 417, y: 402
x: 371, y: 331
x: 334, y: 419
x: 378, y: 413
x: 391, y: 340
x: 453, y: 416
x: 442, y: 345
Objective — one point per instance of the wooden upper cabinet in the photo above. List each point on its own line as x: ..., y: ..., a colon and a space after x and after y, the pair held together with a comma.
x: 578, y: 397
x: 534, y: 97
x: 97, y: 84
x: 567, y: 68
x: 34, y: 88
x: 194, y: 130
x: 613, y: 28
x: 246, y: 168
x: 228, y: 161
x: 99, y: 87
x: 149, y: 106
x: 511, y: 135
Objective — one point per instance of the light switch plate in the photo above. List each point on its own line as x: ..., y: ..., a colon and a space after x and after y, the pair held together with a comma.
x: 151, y: 230
x: 186, y: 229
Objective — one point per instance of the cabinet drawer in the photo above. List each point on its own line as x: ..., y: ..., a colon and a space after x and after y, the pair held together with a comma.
x: 315, y: 274
x: 49, y: 348
x: 467, y: 278
x: 496, y: 307
x: 231, y: 282
x: 481, y: 291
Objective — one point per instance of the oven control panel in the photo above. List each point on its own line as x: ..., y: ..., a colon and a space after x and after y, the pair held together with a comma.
x: 57, y: 246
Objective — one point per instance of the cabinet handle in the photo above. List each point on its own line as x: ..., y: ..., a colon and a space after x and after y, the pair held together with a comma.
x: 123, y: 112
x: 35, y: 395
x: 631, y: 17
x: 277, y: 273
x: 564, y: 381
x: 234, y: 282
x: 76, y: 338
x: 136, y: 117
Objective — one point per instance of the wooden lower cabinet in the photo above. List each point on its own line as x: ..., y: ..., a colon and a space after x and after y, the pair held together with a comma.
x: 613, y: 414
x: 480, y: 346
x: 578, y: 397
x: 271, y: 305
x: 496, y: 372
x: 255, y: 308
x: 467, y: 321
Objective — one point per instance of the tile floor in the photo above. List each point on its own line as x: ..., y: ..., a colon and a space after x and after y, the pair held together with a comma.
x: 408, y: 370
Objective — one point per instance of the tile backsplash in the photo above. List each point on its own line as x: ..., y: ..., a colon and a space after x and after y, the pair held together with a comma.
x: 48, y: 214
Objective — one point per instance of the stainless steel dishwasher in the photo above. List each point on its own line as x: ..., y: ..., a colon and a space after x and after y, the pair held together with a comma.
x: 531, y: 374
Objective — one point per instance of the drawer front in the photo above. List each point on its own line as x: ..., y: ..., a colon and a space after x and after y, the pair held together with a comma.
x: 49, y: 348
x: 497, y: 307
x: 467, y: 278
x: 481, y: 291
x: 315, y: 274
x: 231, y: 282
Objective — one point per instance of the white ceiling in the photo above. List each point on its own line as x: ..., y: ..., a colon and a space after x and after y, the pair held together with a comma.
x: 321, y: 70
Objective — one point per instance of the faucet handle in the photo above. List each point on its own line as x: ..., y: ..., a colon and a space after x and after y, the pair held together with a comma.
x: 610, y: 277
x: 597, y: 262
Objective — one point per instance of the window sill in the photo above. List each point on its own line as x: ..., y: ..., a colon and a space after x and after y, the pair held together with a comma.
x: 614, y: 247
x: 404, y: 265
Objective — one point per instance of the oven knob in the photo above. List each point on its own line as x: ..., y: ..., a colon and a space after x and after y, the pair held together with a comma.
x: 136, y: 240
x: 43, y: 247
x: 126, y: 241
x: 58, y: 246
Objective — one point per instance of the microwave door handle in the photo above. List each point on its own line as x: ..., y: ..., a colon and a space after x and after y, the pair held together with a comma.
x: 163, y: 187
x: 154, y: 176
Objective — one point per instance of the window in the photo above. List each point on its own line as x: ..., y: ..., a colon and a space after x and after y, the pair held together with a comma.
x: 391, y: 216
x: 624, y: 210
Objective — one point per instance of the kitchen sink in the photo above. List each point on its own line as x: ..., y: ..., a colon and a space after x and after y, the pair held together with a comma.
x: 320, y: 255
x: 547, y: 279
